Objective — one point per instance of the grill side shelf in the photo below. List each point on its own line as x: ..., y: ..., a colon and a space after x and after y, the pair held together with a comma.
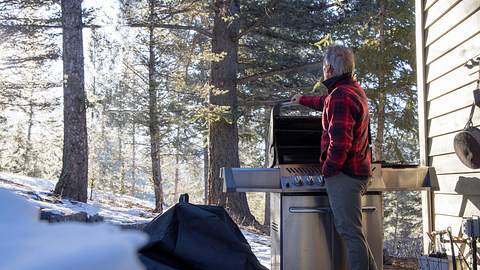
x: 250, y: 179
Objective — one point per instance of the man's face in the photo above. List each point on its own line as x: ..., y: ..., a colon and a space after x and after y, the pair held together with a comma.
x: 327, y: 71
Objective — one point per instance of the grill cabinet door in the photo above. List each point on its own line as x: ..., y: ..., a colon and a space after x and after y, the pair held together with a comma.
x: 309, y: 240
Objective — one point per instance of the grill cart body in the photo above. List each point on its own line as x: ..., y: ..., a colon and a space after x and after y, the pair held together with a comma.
x: 302, y: 230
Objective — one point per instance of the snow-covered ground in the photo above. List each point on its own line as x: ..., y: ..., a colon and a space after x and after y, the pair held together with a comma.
x: 115, y: 209
x: 29, y: 244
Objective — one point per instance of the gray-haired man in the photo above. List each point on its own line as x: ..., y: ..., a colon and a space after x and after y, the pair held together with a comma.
x: 345, y: 155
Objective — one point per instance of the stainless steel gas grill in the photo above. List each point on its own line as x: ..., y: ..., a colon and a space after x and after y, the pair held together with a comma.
x: 302, y: 229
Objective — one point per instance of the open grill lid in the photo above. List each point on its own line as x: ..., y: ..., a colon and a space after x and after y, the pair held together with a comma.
x: 294, y: 139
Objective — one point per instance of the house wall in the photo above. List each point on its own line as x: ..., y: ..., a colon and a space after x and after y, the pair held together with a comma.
x: 448, y: 35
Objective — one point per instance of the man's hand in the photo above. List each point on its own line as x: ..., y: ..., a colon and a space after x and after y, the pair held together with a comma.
x: 296, y: 99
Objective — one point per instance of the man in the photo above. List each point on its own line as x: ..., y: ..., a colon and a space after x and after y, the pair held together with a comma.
x: 345, y: 154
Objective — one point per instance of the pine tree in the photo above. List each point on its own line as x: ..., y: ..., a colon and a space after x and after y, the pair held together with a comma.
x: 73, y: 180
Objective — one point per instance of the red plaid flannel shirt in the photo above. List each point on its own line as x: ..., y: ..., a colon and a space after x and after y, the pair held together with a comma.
x: 344, y: 146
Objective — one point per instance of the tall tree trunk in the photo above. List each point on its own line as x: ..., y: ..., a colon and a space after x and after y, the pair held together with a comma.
x: 73, y: 180
x: 134, y: 159
x: 395, y: 233
x: 176, y: 176
x: 122, y: 161
x: 176, y: 179
x: 266, y: 215
x: 28, y: 150
x: 223, y: 133
x: 153, y: 118
x: 381, y: 85
x: 205, y: 175
x: 177, y: 163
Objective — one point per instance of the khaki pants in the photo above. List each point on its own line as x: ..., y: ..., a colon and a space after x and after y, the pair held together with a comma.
x: 344, y: 195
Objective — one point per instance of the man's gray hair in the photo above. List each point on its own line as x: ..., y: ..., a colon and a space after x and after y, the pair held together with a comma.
x: 340, y: 58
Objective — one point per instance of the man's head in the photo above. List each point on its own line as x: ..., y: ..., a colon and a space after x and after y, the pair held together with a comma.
x: 338, y: 60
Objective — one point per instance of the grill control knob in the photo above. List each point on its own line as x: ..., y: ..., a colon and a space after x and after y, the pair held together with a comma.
x: 310, y: 180
x: 321, y: 181
x: 298, y: 181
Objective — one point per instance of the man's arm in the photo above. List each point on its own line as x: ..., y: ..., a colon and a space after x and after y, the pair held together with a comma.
x: 340, y: 129
x: 314, y: 102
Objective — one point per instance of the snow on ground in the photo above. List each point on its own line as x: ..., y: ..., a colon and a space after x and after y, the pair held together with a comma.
x: 28, y: 243
x: 115, y: 208
x: 260, y: 246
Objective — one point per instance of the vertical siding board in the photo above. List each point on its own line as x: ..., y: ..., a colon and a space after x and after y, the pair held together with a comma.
x: 420, y: 49
x: 427, y: 202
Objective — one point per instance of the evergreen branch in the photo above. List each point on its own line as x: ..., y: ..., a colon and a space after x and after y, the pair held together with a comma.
x: 155, y: 25
x: 285, y: 38
x: 43, y: 26
x: 261, y: 20
x: 135, y: 72
x: 174, y: 26
x: 279, y: 71
x: 42, y: 105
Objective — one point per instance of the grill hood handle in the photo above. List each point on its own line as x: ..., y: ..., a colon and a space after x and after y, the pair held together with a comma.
x: 282, y: 103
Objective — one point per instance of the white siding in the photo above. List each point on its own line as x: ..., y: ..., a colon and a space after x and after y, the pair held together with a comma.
x: 449, y: 35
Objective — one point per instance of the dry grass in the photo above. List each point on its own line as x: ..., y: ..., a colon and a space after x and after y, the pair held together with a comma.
x: 402, y: 264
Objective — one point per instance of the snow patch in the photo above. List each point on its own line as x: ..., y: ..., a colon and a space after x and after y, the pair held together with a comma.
x: 260, y: 245
x: 30, y: 244
x: 31, y: 182
x: 105, y: 243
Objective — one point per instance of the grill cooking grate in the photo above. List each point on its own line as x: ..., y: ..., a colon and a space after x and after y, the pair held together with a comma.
x: 301, y: 170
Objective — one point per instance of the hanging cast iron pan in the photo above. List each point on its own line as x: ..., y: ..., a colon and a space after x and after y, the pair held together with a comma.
x: 467, y: 147
x: 467, y: 142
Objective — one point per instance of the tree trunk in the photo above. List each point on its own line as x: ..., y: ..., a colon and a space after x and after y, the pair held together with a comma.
x: 134, y: 159
x: 73, y: 180
x: 176, y: 176
x: 395, y: 234
x: 223, y: 133
x: 381, y: 86
x: 266, y: 215
x: 205, y: 175
x: 28, y: 149
x: 122, y: 161
x: 153, y: 119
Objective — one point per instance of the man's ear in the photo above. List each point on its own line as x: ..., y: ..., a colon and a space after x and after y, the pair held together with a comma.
x: 330, y: 69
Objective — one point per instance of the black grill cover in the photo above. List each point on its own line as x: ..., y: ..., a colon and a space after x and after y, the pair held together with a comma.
x: 194, y: 237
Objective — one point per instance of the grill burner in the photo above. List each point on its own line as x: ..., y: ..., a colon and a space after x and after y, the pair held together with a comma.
x: 302, y: 230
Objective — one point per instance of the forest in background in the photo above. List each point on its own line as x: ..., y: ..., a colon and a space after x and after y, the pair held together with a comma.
x: 172, y: 90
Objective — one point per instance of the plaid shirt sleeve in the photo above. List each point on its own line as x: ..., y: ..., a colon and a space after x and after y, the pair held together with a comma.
x: 340, y: 116
x: 314, y: 102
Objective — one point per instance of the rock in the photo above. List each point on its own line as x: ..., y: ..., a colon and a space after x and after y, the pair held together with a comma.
x: 133, y: 226
x: 95, y: 218
x: 53, y: 217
